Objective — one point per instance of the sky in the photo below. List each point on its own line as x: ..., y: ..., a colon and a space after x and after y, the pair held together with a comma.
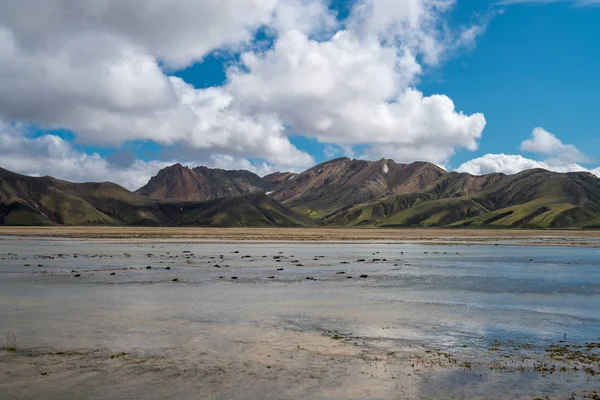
x: 115, y: 90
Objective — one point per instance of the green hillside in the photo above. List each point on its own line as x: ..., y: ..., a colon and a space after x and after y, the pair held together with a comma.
x: 48, y: 201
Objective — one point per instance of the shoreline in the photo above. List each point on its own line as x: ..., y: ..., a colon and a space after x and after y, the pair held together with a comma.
x: 437, y: 236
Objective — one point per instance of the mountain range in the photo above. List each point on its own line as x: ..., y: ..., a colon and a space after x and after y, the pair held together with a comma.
x: 340, y: 192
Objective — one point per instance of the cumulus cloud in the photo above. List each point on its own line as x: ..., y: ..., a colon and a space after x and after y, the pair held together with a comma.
x: 511, y: 164
x: 100, y: 69
x: 177, y: 32
x: 544, y: 142
x: 49, y: 154
x: 357, y: 88
x: 561, y: 157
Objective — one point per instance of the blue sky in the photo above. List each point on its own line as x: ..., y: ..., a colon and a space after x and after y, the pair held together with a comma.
x: 118, y: 101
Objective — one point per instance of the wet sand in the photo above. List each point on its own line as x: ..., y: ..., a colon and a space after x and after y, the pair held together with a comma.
x: 432, y: 320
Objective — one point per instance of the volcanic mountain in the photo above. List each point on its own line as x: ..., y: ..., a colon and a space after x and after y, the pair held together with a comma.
x: 201, y: 183
x: 340, y: 192
x: 343, y: 182
x: 26, y: 200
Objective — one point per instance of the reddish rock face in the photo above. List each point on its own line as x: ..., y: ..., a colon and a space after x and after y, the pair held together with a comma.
x: 344, y: 182
x: 279, y: 177
x: 201, y: 183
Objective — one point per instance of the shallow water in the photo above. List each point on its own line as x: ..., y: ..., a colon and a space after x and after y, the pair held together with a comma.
x: 436, y: 296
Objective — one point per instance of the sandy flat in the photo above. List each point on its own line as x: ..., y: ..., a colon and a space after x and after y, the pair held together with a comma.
x: 522, y: 237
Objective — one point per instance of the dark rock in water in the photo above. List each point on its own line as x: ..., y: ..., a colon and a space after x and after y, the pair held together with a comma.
x: 168, y: 268
x: 76, y: 276
x: 340, y: 273
x: 348, y: 277
x: 40, y: 265
x: 73, y: 271
x: 294, y: 261
x: 234, y: 277
x: 308, y: 278
x: 271, y: 277
x: 148, y: 267
x: 246, y: 256
x: 376, y: 259
x: 217, y: 266
x: 236, y: 252
x: 364, y: 276
x: 361, y: 260
x: 112, y: 273
x: 226, y: 266
x: 279, y: 269
x: 221, y: 277
x: 344, y: 262
x: 299, y: 265
x: 27, y: 265
x: 175, y: 280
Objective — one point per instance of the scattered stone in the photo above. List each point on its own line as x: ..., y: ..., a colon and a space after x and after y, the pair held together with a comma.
x: 217, y: 266
x: 236, y: 252
x: 175, y: 280
x: 167, y: 268
x: 363, y: 276
x: 76, y: 276
x: 340, y: 273
x: 221, y: 277
x: 361, y: 260
x: 112, y: 273
x: 299, y: 265
x: 348, y: 277
x: 271, y: 277
x: 279, y: 269
x: 234, y: 277
x: 148, y: 267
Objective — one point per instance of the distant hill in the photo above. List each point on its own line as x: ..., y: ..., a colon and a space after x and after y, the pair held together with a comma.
x: 530, y: 199
x: 28, y: 200
x: 340, y: 192
x: 343, y: 182
x: 201, y: 183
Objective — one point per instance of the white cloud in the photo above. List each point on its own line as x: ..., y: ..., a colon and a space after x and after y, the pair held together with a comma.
x: 353, y: 90
x: 94, y: 68
x: 561, y: 157
x: 51, y: 155
x: 513, y: 163
x: 544, y: 142
x: 178, y: 32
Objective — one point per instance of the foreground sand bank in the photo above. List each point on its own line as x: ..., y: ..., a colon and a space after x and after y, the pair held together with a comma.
x: 524, y: 237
